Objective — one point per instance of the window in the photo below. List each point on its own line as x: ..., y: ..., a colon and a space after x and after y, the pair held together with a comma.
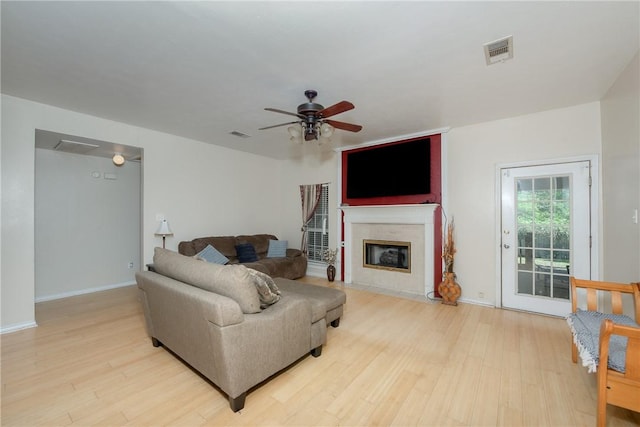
x: 318, y: 228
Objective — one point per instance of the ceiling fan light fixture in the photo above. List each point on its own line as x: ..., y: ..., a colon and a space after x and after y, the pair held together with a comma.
x: 323, y: 140
x: 296, y: 134
x: 326, y: 130
x: 311, y: 125
x: 294, y: 131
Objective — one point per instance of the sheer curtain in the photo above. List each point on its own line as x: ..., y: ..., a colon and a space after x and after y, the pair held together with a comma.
x: 310, y: 196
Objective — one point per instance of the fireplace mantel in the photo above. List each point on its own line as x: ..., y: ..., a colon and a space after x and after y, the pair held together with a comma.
x: 422, y: 214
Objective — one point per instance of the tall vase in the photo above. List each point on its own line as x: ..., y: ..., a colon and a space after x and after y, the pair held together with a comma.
x: 449, y: 290
x: 331, y: 272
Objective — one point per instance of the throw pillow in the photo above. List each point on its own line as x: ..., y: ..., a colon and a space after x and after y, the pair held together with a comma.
x: 246, y: 252
x: 277, y: 249
x: 261, y: 282
x: 211, y: 254
x: 264, y: 276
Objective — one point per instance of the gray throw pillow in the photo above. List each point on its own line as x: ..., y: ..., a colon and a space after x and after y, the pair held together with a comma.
x: 266, y: 287
x: 268, y: 279
x: 277, y: 248
x: 211, y: 254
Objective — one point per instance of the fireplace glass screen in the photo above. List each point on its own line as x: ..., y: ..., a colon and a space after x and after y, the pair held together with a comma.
x: 387, y: 255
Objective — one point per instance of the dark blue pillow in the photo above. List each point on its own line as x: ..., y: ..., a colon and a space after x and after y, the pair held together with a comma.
x: 246, y: 252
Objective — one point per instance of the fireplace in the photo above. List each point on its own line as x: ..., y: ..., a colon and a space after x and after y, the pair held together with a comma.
x: 387, y: 255
x: 410, y: 225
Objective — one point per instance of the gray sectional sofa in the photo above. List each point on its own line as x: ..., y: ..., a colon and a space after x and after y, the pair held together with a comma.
x: 218, y: 319
x: 292, y: 266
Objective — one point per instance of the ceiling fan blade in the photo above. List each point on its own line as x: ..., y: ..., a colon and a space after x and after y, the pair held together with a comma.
x: 275, y: 110
x: 344, y: 126
x: 338, y: 108
x: 275, y: 126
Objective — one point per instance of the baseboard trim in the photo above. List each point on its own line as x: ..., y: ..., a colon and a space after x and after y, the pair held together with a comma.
x: 391, y: 292
x: 83, y: 291
x: 17, y: 327
x: 477, y: 302
x: 415, y: 297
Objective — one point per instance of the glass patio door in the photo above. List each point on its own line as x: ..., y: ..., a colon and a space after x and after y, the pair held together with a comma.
x: 545, y: 235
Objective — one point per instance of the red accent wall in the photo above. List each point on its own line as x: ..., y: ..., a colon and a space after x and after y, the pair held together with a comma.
x: 434, y: 197
x: 436, y: 178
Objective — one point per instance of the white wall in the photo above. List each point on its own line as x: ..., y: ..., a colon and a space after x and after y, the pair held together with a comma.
x: 200, y: 188
x: 17, y: 274
x: 87, y: 227
x: 315, y: 165
x: 621, y: 176
x: 206, y: 190
x: 473, y: 154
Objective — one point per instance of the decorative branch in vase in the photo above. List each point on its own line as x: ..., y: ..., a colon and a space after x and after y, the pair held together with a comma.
x: 329, y: 256
x: 449, y: 289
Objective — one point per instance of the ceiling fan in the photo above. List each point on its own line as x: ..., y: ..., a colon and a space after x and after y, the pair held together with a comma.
x: 313, y: 119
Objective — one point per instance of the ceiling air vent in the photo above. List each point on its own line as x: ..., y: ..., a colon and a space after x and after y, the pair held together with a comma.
x: 499, y: 50
x: 239, y: 134
x: 76, y: 147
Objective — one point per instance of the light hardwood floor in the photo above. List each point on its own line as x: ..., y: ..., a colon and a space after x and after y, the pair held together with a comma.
x: 392, y: 361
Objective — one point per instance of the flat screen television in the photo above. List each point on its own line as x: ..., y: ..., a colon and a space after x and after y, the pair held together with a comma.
x: 395, y: 173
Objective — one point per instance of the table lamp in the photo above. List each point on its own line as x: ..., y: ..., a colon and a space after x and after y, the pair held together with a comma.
x: 164, y: 231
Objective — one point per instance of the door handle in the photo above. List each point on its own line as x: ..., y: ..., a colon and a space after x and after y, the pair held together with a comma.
x: 506, y: 246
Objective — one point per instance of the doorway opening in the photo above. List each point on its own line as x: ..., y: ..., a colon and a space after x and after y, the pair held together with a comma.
x: 88, y: 215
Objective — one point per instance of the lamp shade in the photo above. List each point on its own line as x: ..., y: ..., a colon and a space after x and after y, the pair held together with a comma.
x: 163, y: 229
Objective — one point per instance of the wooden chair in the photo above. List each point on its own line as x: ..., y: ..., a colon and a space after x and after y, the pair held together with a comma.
x: 615, y: 388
